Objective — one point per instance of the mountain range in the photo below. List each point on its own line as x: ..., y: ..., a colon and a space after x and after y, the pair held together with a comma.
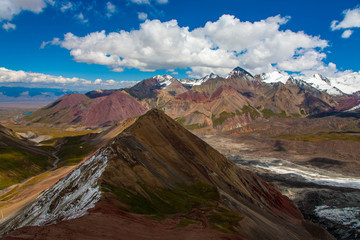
x: 212, y: 103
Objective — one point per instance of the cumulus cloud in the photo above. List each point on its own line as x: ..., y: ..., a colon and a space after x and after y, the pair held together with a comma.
x: 10, y: 8
x: 142, y: 16
x: 347, y: 33
x: 9, y: 26
x: 30, y: 79
x: 351, y: 20
x: 216, y: 47
x: 110, y: 8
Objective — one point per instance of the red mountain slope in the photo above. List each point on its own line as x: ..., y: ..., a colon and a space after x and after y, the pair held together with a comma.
x: 78, y: 109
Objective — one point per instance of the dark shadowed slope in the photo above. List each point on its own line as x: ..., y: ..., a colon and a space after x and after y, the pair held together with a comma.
x: 20, y: 159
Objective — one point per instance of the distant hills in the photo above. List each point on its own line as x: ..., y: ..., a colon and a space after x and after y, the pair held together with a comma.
x: 210, y: 103
x: 24, y: 94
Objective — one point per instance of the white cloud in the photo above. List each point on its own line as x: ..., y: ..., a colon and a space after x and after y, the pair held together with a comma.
x: 148, y: 1
x: 140, y: 1
x: 98, y: 81
x: 55, y: 41
x: 347, y: 33
x: 110, y: 8
x: 110, y: 82
x: 142, y: 16
x: 217, y: 47
x: 10, y: 8
x: 7, y: 75
x: 66, y: 7
x: 162, y: 1
x: 31, y: 79
x: 351, y: 20
x: 9, y: 26
x: 51, y: 2
x: 81, y: 18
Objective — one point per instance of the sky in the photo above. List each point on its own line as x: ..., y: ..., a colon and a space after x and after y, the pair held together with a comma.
x: 92, y: 44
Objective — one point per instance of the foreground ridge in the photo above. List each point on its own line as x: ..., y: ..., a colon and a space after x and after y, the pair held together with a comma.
x: 157, y: 169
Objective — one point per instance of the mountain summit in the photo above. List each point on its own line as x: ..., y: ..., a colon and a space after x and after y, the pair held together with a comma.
x: 240, y: 72
x: 160, y: 178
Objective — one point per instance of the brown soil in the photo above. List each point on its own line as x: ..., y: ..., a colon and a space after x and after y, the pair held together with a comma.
x: 22, y: 194
x: 109, y: 222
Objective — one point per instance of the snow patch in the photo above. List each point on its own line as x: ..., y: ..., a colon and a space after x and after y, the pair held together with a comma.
x: 349, y: 216
x: 275, y: 77
x: 164, y: 80
x: 353, y: 108
x: 196, y: 82
x: 239, y: 72
x: 323, y: 84
x: 69, y: 198
x: 309, y: 174
x: 348, y: 83
x: 314, y: 176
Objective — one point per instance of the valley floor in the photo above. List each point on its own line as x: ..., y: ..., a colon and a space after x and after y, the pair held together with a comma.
x: 321, y: 178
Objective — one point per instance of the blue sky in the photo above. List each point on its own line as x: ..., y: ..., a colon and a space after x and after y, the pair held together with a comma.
x: 103, y: 44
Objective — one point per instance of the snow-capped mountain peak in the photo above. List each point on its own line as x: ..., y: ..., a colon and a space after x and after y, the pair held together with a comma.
x: 196, y: 82
x: 164, y: 80
x: 274, y: 77
x: 321, y: 77
x: 323, y: 84
x: 316, y: 81
x: 239, y: 72
x: 207, y: 77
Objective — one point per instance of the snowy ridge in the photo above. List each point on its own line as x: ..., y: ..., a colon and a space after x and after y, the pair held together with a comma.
x: 69, y: 198
x: 323, y: 84
x: 240, y: 72
x: 196, y: 82
x: 346, y: 84
x: 164, y: 80
x: 274, y: 77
